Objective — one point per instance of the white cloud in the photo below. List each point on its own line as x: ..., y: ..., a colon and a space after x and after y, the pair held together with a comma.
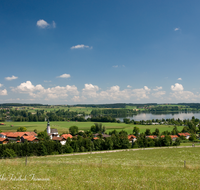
x: 129, y: 86
x: 53, y: 24
x: 42, y: 23
x: 176, y: 29
x: 3, y: 92
x: 184, y: 95
x: 177, y: 87
x: 39, y: 91
x: 158, y: 94
x: 157, y: 88
x: 90, y: 91
x: 179, y: 79
x: 82, y: 46
x: 115, y: 66
x: 47, y: 80
x: 64, y: 76
x: 11, y: 78
x: 1, y: 85
x: 147, y: 89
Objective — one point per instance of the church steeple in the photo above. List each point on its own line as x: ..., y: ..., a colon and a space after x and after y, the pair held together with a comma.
x: 48, y: 128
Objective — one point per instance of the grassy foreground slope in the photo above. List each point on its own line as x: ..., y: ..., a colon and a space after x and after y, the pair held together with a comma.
x: 143, y: 169
x: 62, y: 126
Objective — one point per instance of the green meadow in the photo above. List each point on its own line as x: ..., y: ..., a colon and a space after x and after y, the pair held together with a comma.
x: 63, y: 126
x: 141, y: 169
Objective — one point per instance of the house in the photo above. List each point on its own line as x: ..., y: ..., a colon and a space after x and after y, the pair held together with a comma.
x: 152, y: 137
x: 14, y: 136
x: 132, y: 138
x: 30, y: 138
x: 67, y: 136
x: 61, y: 139
x: 95, y: 138
x: 4, y: 140
x: 186, y: 135
x: 2, y: 124
x: 173, y: 137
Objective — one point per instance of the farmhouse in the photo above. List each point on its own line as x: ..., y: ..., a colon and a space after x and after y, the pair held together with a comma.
x: 4, y: 140
x: 186, y: 135
x: 61, y: 139
x: 152, y: 137
x: 132, y: 138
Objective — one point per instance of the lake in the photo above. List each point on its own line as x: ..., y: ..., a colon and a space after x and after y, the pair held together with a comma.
x: 150, y: 116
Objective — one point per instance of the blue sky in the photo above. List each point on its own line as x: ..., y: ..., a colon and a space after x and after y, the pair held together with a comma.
x: 72, y: 52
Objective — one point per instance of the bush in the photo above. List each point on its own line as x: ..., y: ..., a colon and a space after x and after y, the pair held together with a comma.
x: 10, y: 153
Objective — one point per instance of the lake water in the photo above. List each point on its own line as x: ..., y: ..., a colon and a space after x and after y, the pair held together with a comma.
x: 150, y: 116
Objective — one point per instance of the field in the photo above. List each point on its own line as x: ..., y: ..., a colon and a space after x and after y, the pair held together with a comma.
x: 63, y: 126
x: 142, y: 169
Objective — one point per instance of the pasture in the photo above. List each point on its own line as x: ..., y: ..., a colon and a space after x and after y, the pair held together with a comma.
x: 142, y: 169
x: 63, y: 126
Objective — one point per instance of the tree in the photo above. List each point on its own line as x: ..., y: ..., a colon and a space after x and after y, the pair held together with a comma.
x: 21, y: 129
x: 73, y: 130
x: 43, y: 136
x: 9, y: 153
x: 136, y: 131
x: 147, y: 132
x: 157, y: 132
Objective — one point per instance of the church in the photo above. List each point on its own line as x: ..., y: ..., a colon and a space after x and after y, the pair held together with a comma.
x: 52, y: 132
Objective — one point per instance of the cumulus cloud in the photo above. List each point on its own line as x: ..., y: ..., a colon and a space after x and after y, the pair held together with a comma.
x: 176, y: 29
x: 177, y: 87
x: 44, y: 24
x: 158, y: 88
x: 64, y: 76
x: 39, y: 91
x: 1, y: 85
x: 11, y: 78
x: 115, y: 66
x: 114, y: 93
x: 129, y: 86
x: 158, y: 94
x: 179, y: 79
x: 3, y: 92
x: 81, y: 46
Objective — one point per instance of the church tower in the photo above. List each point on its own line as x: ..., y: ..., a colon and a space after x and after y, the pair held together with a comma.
x: 48, y: 128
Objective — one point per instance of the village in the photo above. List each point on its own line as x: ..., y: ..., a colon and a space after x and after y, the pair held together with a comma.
x: 32, y: 137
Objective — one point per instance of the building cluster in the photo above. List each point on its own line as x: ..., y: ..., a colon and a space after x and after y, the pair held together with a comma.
x: 21, y: 137
x: 133, y: 138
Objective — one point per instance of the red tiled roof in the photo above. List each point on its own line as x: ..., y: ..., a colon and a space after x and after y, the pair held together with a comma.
x: 95, y: 138
x: 152, y: 136
x: 2, y: 139
x: 173, y: 136
x: 20, y: 134
x: 184, y: 134
x: 66, y: 136
x: 162, y: 136
x: 29, y: 138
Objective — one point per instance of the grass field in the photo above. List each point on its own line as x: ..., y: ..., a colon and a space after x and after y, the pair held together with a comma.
x: 143, y: 169
x: 62, y: 126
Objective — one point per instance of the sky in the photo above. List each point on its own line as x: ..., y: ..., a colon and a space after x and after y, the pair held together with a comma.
x: 95, y: 52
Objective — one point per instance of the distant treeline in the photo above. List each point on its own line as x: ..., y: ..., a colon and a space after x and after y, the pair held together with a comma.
x: 115, y: 112
x: 118, y: 105
x: 5, y: 105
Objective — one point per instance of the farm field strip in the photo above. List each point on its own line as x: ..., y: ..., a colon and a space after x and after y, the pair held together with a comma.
x: 62, y: 126
x: 149, y: 169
